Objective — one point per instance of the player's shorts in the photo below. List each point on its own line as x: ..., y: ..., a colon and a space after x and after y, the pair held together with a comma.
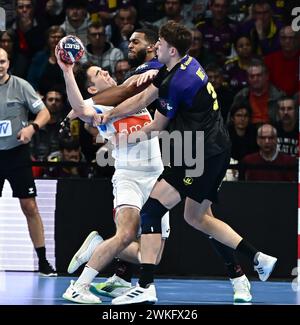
x: 15, y: 166
x: 203, y: 187
x: 132, y: 188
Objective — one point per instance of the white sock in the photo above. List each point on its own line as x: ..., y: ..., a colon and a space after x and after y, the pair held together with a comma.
x: 87, y: 275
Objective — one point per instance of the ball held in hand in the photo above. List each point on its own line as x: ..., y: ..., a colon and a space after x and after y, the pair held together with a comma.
x: 71, y: 49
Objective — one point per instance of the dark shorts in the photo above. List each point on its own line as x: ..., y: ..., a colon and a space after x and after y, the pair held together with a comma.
x: 203, y: 187
x: 15, y: 166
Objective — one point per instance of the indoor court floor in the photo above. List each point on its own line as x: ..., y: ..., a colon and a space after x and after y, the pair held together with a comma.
x: 28, y: 288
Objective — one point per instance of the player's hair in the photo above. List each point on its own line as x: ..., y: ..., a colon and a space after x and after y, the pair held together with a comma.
x: 176, y: 35
x: 82, y: 78
x: 151, y: 35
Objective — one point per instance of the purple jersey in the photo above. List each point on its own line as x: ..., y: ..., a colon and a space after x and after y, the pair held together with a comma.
x: 189, y: 100
x: 218, y: 40
x: 235, y: 75
x: 149, y: 65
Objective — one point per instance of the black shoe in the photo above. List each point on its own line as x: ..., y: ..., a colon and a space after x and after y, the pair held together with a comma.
x: 46, y: 269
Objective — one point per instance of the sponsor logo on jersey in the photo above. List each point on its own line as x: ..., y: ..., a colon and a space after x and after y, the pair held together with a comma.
x: 132, y: 124
x: 165, y: 105
x: 188, y: 181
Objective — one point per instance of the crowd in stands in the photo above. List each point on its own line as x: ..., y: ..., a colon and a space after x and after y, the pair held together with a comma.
x: 248, y: 49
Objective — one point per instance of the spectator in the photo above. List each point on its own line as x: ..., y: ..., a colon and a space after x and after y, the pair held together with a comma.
x: 261, y: 95
x: 44, y: 73
x: 198, y: 51
x: 224, y: 94
x: 238, y: 9
x: 121, y: 68
x: 18, y: 62
x: 69, y: 151
x: 150, y: 10
x: 268, y: 164
x: 283, y: 64
x: 10, y: 12
x: 122, y: 27
x: 101, y: 52
x: 194, y: 10
x: 287, y: 126
x: 28, y: 32
x: 47, y: 140
x: 263, y: 29
x: 50, y: 12
x: 77, y: 20
x: 236, y: 68
x: 105, y: 10
x: 242, y: 133
x: 218, y: 31
x: 173, y: 11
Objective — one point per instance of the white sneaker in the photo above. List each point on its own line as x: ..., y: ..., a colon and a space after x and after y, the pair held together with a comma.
x: 81, y: 294
x: 265, y: 265
x: 85, y: 251
x: 137, y: 295
x: 113, y: 287
x: 241, y: 288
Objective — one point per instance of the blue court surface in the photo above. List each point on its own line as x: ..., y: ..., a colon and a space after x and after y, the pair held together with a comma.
x: 28, y: 288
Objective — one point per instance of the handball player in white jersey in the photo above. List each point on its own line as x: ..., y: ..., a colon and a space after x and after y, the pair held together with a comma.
x: 137, y: 169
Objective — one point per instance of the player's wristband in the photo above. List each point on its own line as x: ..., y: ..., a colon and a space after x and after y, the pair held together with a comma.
x: 35, y: 126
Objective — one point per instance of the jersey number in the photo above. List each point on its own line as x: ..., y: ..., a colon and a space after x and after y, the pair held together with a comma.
x: 211, y: 90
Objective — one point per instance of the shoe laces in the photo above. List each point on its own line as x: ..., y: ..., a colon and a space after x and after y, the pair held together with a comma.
x: 82, y: 288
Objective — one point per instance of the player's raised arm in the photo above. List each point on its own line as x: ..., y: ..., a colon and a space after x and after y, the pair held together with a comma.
x: 80, y: 108
x: 131, y: 105
x: 116, y: 95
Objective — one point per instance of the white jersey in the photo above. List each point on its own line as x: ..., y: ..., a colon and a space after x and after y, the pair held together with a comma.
x: 137, y: 166
x: 144, y: 155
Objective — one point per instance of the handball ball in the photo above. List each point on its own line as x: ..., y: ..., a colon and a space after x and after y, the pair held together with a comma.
x: 71, y: 49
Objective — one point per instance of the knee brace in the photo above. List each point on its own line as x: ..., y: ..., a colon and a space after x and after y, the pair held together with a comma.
x: 151, y: 215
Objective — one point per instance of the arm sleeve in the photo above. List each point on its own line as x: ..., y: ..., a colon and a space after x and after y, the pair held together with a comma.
x: 33, y: 101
